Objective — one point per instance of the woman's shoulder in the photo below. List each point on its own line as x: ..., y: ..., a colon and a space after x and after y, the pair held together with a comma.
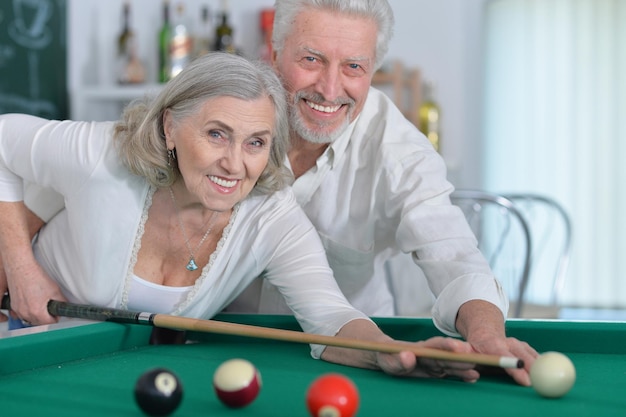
x: 29, y: 124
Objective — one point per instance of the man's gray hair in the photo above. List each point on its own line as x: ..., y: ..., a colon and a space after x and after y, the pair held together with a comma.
x: 378, y: 10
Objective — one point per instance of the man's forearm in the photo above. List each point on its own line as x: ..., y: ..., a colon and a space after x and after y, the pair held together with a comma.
x: 34, y: 223
x: 16, y: 232
x: 477, y: 317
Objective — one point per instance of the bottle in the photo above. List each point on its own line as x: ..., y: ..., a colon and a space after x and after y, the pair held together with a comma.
x: 123, y: 43
x: 429, y: 117
x: 126, y: 33
x: 164, y: 44
x: 181, y: 44
x: 267, y: 24
x: 129, y: 67
x: 224, y: 33
x: 204, y: 36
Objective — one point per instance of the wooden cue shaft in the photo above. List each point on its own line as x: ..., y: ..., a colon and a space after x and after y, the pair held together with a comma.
x: 213, y: 326
x: 58, y: 308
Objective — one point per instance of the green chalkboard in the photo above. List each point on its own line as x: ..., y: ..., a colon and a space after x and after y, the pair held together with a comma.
x: 33, y: 64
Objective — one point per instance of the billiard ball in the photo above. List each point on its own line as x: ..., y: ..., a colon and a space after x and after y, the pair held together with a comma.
x: 332, y: 395
x: 158, y: 392
x: 552, y: 374
x: 237, y: 382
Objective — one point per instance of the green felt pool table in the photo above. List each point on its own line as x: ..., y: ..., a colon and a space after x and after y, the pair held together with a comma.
x: 90, y: 370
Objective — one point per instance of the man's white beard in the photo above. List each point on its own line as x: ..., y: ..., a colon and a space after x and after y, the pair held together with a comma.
x: 299, y: 126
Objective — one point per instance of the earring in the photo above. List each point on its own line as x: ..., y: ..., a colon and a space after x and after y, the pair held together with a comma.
x: 171, y: 155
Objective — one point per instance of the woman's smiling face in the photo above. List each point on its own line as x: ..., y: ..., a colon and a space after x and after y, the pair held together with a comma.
x: 222, y: 149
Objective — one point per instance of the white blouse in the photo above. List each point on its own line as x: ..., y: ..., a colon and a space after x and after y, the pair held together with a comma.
x: 90, y: 247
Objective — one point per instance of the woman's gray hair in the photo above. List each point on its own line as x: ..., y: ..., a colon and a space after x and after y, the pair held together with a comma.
x: 139, y: 135
x: 378, y: 10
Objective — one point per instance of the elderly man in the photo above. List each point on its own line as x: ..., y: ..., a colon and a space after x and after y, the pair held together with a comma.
x: 370, y: 182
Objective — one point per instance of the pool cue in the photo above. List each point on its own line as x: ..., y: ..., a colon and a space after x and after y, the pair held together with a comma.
x: 59, y: 308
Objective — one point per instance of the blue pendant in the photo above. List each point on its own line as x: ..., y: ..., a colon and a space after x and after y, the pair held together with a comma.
x: 191, y: 266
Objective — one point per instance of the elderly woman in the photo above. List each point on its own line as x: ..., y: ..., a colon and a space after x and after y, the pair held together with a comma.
x: 176, y: 209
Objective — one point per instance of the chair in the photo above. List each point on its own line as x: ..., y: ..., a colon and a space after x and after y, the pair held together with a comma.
x: 503, y: 237
x: 551, y: 232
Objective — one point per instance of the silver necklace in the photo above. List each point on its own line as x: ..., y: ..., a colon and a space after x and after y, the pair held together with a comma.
x: 191, y: 265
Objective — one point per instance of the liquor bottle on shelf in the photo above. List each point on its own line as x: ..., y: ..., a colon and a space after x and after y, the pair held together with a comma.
x: 165, y: 34
x: 204, y: 35
x: 224, y: 33
x: 181, y: 43
x: 429, y: 115
x: 267, y: 23
x: 130, y: 70
x: 125, y: 36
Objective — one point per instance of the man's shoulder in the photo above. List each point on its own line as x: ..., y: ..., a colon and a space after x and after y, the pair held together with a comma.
x: 382, y: 130
x: 281, y: 200
x: 276, y: 211
x: 382, y: 121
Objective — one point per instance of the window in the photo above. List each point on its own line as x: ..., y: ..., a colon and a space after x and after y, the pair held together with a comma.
x: 555, y: 123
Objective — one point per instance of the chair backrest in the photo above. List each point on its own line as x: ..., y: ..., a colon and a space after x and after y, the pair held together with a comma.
x: 551, y: 231
x: 503, y: 237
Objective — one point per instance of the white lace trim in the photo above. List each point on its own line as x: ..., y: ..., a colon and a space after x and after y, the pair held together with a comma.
x: 205, y: 271
x: 136, y: 247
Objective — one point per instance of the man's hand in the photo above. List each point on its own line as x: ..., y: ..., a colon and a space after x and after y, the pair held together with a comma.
x: 482, y: 325
x: 407, y: 364
x: 31, y: 293
x: 20, y: 273
x: 404, y: 363
x: 3, y: 288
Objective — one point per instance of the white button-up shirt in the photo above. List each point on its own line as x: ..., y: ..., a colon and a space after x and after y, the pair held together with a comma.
x: 380, y: 190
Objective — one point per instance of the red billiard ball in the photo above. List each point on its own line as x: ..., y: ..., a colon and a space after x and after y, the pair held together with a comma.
x: 158, y: 392
x: 237, y: 382
x: 332, y: 395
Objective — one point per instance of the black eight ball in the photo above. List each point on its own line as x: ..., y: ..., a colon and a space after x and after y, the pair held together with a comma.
x: 158, y: 392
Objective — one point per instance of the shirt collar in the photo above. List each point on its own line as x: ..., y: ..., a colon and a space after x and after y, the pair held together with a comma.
x: 337, y: 149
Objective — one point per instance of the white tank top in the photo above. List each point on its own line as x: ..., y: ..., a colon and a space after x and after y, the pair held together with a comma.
x: 149, y: 297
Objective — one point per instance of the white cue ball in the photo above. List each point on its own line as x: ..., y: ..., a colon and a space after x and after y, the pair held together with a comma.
x: 552, y: 375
